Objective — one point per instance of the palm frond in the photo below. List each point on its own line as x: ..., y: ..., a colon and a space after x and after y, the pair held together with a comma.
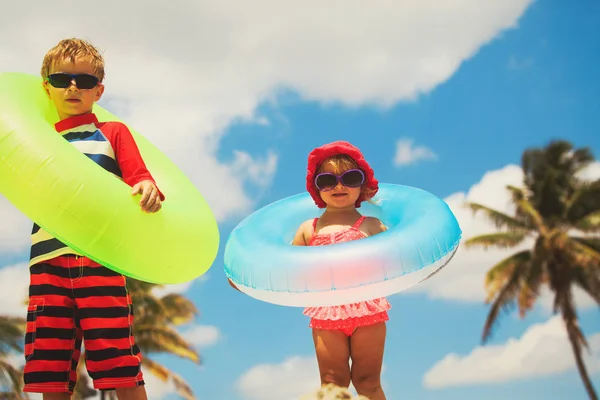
x: 590, y: 223
x: 155, y: 331
x: 156, y: 369
x: 165, y: 374
x: 498, y: 218
x: 11, y: 377
x: 586, y: 251
x: 526, y: 210
x: 499, y: 274
x: 589, y: 281
x: 585, y: 201
x: 504, y: 301
x: 147, y: 308
x: 12, y: 330
x: 533, y: 277
x: 163, y: 339
x: 557, y: 158
x: 501, y: 240
x: 179, y: 310
x: 183, y: 389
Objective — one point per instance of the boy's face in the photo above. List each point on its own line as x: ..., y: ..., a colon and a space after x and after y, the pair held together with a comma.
x: 72, y: 100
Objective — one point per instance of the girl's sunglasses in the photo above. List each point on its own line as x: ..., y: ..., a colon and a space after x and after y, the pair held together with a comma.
x: 327, y: 181
x: 82, y: 81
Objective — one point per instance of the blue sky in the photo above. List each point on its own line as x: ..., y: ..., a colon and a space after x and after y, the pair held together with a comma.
x: 524, y: 87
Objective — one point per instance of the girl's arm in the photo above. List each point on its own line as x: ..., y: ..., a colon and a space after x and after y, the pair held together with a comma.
x: 375, y: 226
x: 300, y: 239
x: 233, y: 285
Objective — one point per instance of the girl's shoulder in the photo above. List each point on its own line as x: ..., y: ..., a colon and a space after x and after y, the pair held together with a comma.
x: 304, y: 233
x: 373, y: 225
x: 307, y: 226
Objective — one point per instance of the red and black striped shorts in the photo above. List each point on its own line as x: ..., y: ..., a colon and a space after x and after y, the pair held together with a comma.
x: 73, y: 298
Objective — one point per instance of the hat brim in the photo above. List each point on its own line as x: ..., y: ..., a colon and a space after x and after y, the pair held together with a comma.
x: 320, y: 154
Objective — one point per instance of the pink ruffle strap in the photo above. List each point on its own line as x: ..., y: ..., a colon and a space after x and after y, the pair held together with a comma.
x: 354, y: 310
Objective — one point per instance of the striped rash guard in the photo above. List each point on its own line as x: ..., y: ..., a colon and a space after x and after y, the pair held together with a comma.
x: 112, y: 147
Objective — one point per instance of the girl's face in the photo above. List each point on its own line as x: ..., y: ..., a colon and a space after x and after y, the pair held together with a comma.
x: 340, y: 185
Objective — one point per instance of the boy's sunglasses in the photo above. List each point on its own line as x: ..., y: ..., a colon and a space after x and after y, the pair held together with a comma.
x: 327, y: 181
x: 82, y: 81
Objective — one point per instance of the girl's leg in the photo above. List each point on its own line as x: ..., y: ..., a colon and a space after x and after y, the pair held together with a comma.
x: 366, y: 349
x: 333, y: 356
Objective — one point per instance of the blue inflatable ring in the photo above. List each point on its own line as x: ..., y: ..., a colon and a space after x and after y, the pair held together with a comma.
x: 422, y: 237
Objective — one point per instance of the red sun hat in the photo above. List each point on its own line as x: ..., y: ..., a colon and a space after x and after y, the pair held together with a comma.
x: 320, y: 154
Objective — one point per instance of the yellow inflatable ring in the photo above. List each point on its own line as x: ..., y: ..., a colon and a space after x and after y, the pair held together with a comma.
x: 90, y: 209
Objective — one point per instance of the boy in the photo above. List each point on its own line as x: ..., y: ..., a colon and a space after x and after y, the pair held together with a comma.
x: 70, y: 296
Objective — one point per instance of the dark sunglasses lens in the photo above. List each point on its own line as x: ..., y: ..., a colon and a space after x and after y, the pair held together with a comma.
x: 352, y: 179
x: 326, y: 181
x: 59, y: 80
x: 83, y: 81
x: 86, y: 81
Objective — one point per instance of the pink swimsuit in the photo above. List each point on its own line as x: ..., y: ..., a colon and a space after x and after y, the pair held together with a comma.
x: 348, y: 317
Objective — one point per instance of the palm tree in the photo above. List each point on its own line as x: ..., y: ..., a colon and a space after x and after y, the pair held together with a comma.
x: 12, y: 330
x: 154, y: 330
x: 561, y: 214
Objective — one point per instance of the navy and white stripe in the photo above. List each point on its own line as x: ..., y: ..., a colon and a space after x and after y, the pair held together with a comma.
x: 93, y: 143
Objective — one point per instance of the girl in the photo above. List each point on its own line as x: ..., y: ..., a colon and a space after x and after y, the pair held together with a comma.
x: 339, y: 180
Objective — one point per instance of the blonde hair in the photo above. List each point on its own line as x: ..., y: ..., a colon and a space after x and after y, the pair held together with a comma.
x: 342, y: 163
x: 73, y: 50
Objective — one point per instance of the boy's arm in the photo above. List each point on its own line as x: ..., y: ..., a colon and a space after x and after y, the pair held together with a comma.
x: 132, y: 165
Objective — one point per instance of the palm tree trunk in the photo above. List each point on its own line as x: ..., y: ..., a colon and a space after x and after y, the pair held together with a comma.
x: 581, y: 366
x: 574, y: 334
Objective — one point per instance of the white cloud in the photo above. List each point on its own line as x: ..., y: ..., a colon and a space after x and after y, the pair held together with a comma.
x: 543, y: 350
x: 202, y: 335
x: 156, y: 388
x: 407, y: 153
x: 463, y: 278
x: 582, y: 300
x: 288, y: 380
x: 176, y: 288
x: 258, y: 173
x: 15, y: 228
x: 181, y: 72
x: 591, y: 172
x: 14, y: 283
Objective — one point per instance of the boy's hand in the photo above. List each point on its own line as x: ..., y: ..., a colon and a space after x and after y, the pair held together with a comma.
x: 150, y: 201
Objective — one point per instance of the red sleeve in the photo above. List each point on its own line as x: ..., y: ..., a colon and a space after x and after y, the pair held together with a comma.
x: 131, y: 163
